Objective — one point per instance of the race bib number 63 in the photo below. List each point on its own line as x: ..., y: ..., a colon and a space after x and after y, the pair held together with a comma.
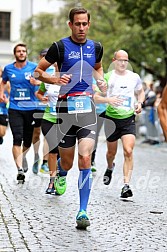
x: 79, y: 104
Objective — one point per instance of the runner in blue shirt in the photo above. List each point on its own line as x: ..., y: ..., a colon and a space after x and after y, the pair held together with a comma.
x: 78, y: 58
x: 21, y: 118
x: 4, y: 112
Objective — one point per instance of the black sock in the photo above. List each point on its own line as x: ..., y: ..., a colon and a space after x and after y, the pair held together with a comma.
x: 52, y: 179
x: 44, y: 161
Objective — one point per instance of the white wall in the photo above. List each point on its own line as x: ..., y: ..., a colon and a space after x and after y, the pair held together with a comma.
x: 20, y: 11
x: 10, y: 6
x: 33, y: 7
x: 46, y: 5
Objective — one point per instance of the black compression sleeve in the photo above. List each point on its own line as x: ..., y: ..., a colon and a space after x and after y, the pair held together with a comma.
x: 98, y: 59
x: 52, y: 54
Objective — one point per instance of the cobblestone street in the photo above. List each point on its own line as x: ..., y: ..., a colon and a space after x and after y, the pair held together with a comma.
x: 32, y: 221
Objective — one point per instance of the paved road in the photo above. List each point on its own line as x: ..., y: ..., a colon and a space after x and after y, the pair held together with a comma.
x: 32, y: 221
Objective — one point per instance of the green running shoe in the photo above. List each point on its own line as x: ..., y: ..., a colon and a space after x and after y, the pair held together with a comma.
x: 82, y: 220
x: 93, y: 167
x: 60, y: 184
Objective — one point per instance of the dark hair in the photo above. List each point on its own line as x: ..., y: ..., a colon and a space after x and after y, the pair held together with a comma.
x: 20, y: 44
x: 44, y: 52
x: 78, y: 10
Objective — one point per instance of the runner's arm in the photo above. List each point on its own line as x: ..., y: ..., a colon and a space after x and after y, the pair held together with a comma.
x: 98, y: 74
x: 162, y: 112
x: 2, y: 89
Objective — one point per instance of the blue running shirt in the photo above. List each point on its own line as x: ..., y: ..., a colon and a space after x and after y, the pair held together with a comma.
x: 21, y: 88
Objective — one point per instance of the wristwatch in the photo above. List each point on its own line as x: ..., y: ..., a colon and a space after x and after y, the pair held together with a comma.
x: 99, y: 80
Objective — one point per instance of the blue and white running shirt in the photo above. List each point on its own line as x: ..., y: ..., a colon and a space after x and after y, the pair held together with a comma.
x: 21, y: 88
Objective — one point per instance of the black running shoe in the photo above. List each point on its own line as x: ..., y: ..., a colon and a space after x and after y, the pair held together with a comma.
x: 21, y: 176
x: 50, y: 189
x: 126, y: 192
x: 1, y: 140
x: 108, y: 175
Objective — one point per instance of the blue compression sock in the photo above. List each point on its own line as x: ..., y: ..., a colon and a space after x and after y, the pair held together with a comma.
x: 84, y: 186
x: 62, y: 173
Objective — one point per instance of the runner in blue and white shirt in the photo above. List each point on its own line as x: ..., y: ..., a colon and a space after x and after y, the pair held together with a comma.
x: 21, y: 120
x: 78, y: 58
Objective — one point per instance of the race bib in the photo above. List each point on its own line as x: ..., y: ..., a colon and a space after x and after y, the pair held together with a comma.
x: 41, y: 105
x: 79, y: 104
x: 53, y: 109
x: 22, y: 94
x: 126, y: 101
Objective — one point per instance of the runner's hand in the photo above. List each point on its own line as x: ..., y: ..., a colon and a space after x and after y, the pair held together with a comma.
x: 102, y: 85
x: 2, y: 97
x: 115, y: 101
x: 64, y: 79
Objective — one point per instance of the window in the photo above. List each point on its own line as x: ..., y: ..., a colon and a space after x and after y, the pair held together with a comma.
x: 5, y: 25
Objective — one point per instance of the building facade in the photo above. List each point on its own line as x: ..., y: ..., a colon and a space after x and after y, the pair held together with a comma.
x: 12, y: 14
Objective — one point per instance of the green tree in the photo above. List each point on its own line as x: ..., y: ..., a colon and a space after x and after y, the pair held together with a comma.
x: 105, y: 25
x: 40, y: 31
x: 139, y: 27
x: 150, y: 17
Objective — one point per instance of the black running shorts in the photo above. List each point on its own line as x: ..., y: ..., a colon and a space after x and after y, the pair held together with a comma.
x: 75, y: 126
x: 4, y: 120
x: 116, y: 128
